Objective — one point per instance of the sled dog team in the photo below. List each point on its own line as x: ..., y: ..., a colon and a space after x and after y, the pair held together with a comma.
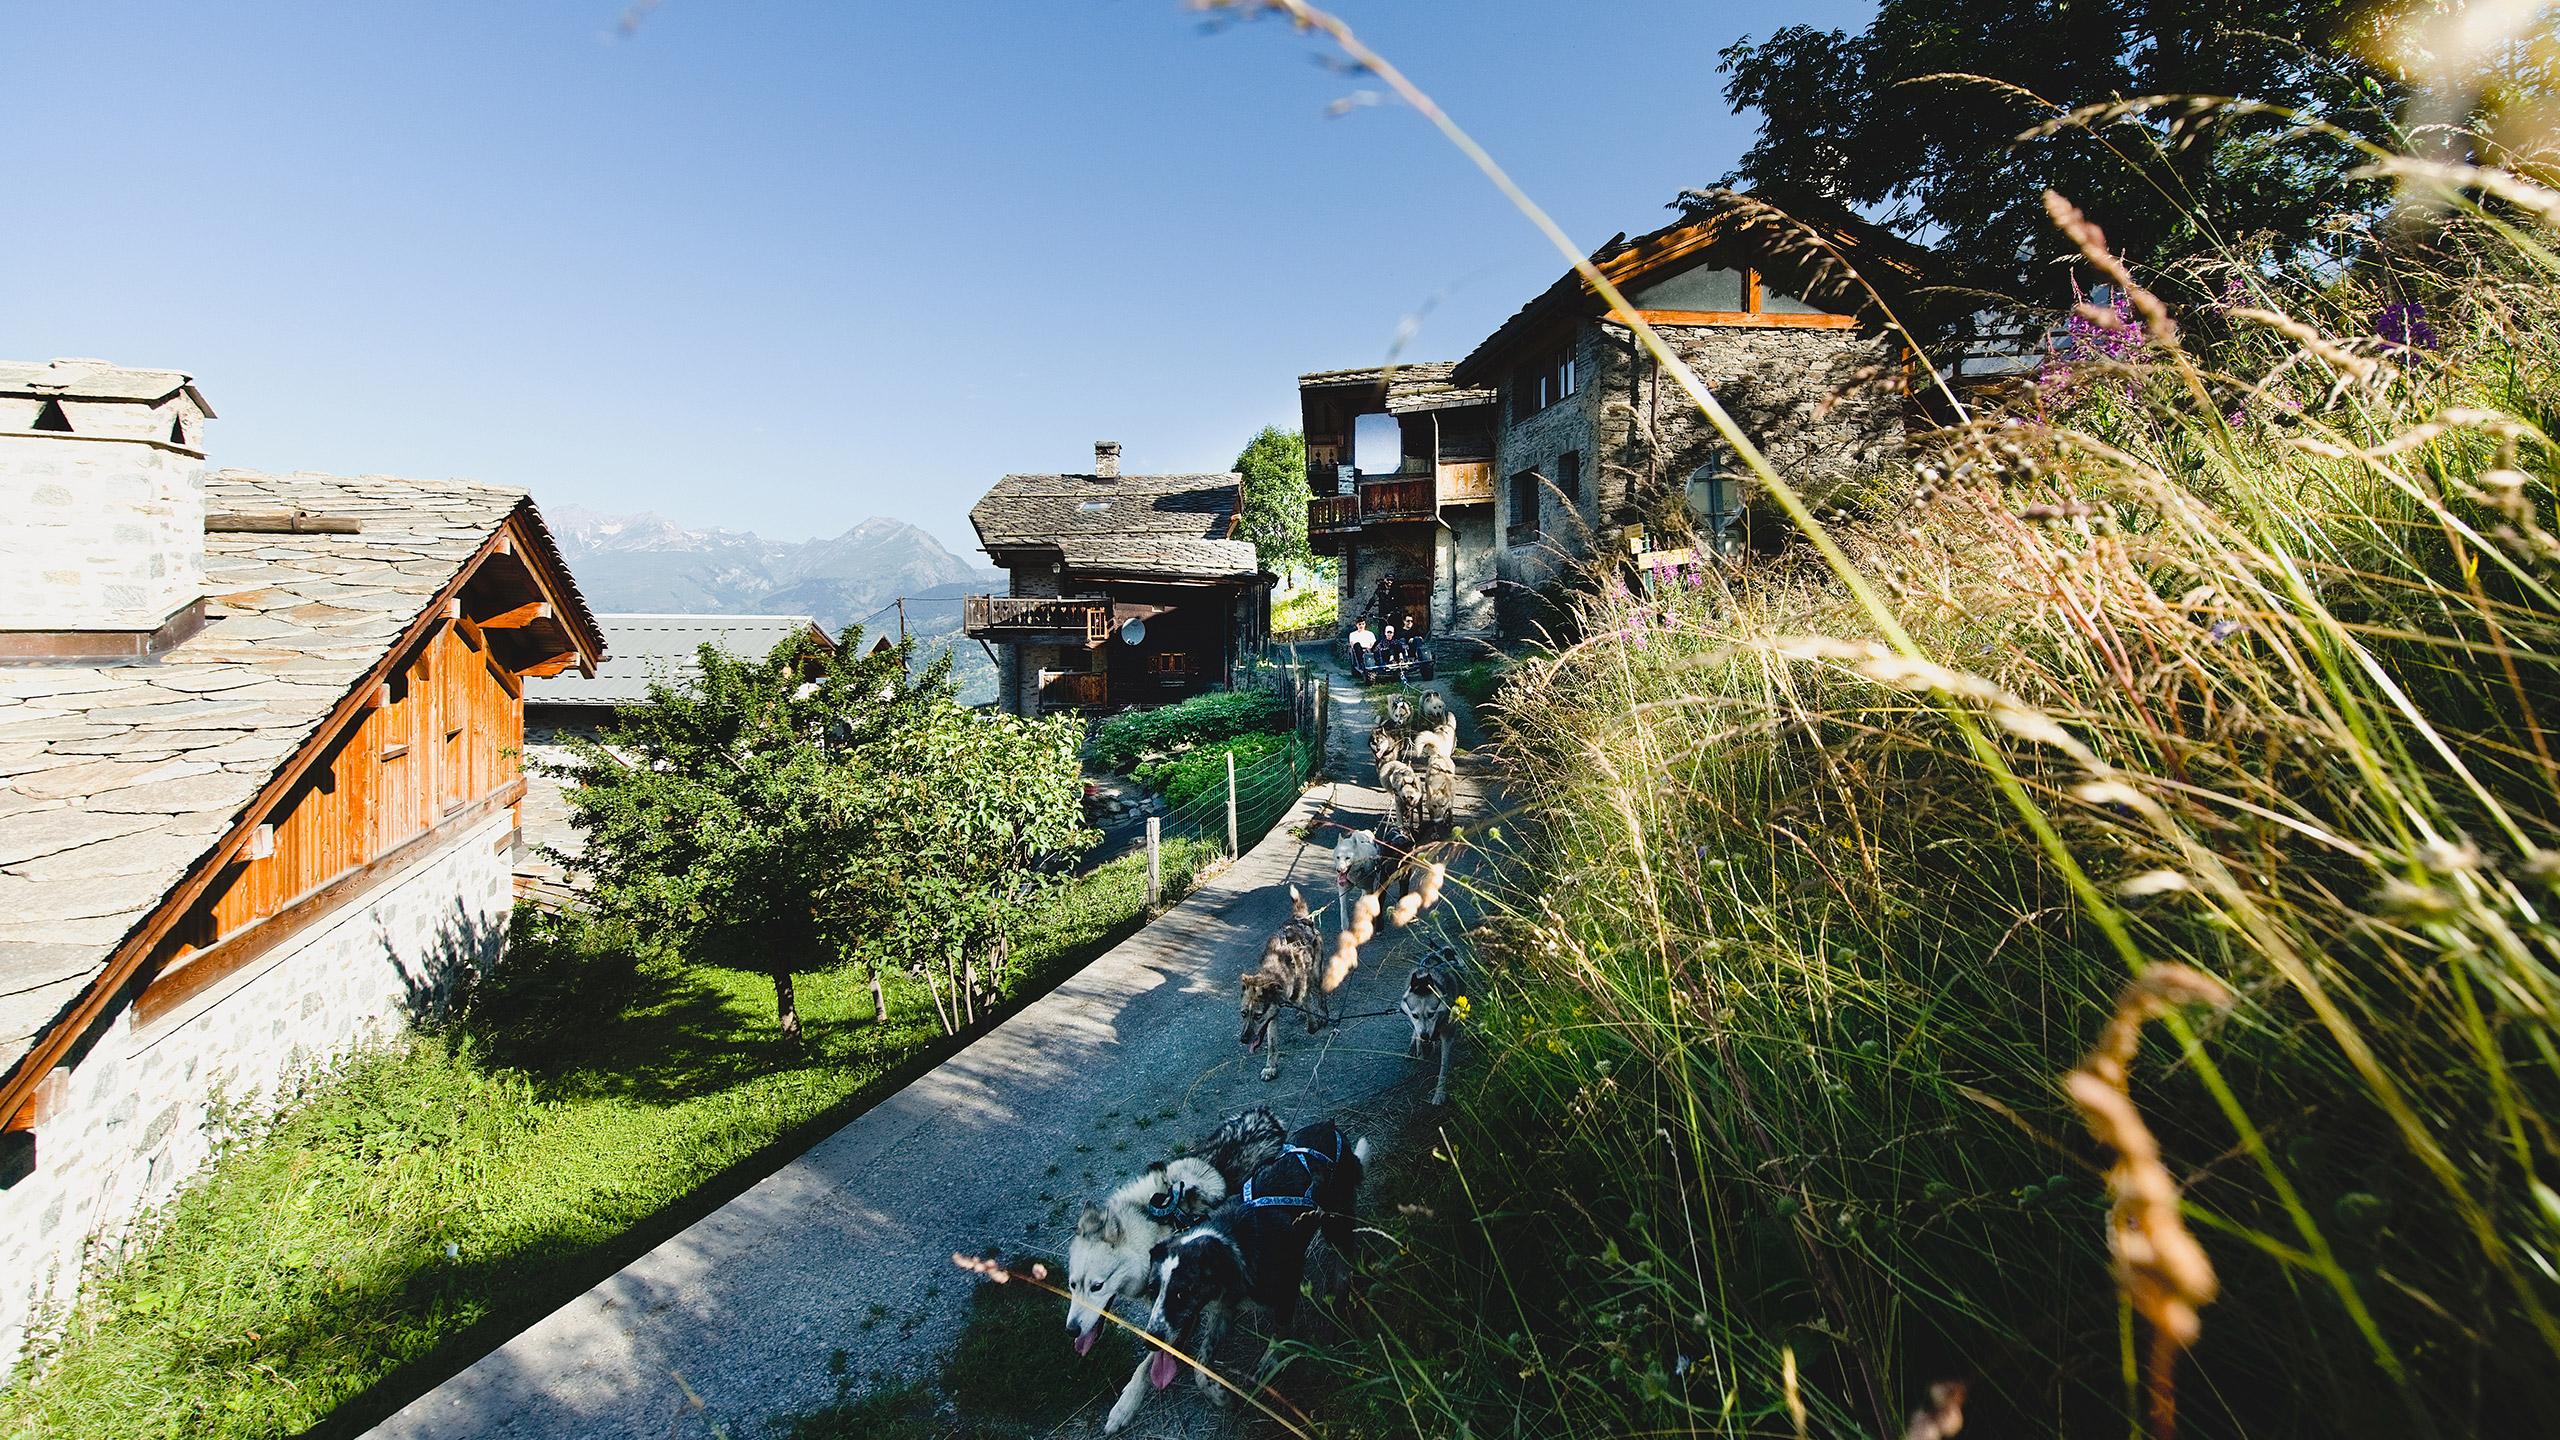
x: 1199, y: 1236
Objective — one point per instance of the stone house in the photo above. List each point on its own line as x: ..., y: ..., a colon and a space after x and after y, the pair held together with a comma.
x: 259, y: 770
x: 1417, y: 543
x: 1558, y: 440
x: 1124, y: 589
x: 645, y: 648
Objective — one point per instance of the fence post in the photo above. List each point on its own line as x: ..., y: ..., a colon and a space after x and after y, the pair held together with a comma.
x: 1232, y: 851
x: 1155, y: 871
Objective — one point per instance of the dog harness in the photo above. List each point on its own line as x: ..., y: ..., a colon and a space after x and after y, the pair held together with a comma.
x: 1308, y: 1160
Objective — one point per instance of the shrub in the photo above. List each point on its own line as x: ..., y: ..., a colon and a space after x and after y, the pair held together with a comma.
x: 1123, y: 740
x: 1199, y: 772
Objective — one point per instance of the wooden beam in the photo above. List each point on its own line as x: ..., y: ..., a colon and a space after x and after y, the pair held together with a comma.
x: 279, y: 522
x: 518, y: 618
x: 198, y: 972
x: 544, y: 670
x: 1747, y: 320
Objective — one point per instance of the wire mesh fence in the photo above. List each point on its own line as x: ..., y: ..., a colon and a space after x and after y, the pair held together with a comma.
x: 1229, y: 816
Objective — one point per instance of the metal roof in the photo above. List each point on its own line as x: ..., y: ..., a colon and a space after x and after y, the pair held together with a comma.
x: 663, y: 648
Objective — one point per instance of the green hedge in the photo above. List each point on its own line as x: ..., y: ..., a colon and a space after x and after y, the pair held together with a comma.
x: 1120, y: 742
x: 1194, y: 773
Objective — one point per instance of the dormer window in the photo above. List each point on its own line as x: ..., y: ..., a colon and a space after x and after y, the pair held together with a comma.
x: 51, y: 417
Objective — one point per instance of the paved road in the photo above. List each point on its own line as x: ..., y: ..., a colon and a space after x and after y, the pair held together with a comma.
x: 735, y: 1320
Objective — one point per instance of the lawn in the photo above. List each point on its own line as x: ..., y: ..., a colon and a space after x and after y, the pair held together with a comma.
x: 421, y: 1203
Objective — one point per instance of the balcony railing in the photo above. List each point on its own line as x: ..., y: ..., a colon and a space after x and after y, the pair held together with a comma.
x: 1402, y: 499
x: 1333, y: 514
x: 1466, y: 482
x: 1084, y: 621
x: 1074, y: 690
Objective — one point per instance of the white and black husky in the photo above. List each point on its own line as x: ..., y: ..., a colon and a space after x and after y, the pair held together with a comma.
x: 1252, y: 1249
x: 1430, y: 1005
x: 1108, y: 1258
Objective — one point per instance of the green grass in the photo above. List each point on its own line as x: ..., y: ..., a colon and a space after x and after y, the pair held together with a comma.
x: 440, y: 1193
x: 1012, y: 1363
x: 1817, y: 893
x: 1476, y: 681
x: 1301, y: 609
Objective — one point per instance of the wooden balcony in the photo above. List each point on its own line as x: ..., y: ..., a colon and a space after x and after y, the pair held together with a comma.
x: 1029, y: 619
x: 1074, y: 690
x: 1333, y: 514
x: 1403, y: 497
x: 1466, y: 482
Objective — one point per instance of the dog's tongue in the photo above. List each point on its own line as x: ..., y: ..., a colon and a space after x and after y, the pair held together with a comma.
x: 1085, y: 1339
x: 1253, y: 1044
x: 1161, y: 1370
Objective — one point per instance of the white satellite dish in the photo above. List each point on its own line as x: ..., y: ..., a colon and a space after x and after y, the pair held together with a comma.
x: 1133, y: 632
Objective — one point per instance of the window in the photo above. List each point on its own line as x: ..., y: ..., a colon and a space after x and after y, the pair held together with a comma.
x: 1544, y: 381
x: 1569, y: 474
x: 1524, y: 506
x: 50, y: 417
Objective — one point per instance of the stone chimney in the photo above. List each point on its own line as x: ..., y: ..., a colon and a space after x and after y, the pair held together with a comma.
x: 102, y: 481
x: 1106, y: 459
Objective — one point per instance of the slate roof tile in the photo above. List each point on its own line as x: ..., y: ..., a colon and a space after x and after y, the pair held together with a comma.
x: 145, y: 766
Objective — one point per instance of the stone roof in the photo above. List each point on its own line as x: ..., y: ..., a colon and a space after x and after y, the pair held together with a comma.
x: 1170, y: 557
x: 663, y: 648
x: 1025, y: 512
x: 1407, y: 387
x: 94, y: 380
x: 116, y: 780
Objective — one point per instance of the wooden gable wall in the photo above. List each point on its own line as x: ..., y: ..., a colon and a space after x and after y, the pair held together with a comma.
x: 434, y: 748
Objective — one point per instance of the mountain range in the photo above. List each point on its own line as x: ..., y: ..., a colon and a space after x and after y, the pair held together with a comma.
x: 647, y: 562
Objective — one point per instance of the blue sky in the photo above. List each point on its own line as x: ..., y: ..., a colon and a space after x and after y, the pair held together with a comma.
x: 783, y: 266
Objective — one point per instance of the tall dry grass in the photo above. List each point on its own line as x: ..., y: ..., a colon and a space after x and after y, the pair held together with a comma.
x: 2234, y: 653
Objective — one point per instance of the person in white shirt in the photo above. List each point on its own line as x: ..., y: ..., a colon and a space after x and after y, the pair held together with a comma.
x: 1362, y: 642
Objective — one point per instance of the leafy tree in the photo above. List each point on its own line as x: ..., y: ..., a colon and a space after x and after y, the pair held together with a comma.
x: 812, y: 809
x: 1874, y: 120
x: 1274, y: 466
x: 975, y: 813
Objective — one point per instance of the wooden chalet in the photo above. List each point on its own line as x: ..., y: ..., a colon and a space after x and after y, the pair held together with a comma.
x: 244, y: 853
x: 1125, y: 589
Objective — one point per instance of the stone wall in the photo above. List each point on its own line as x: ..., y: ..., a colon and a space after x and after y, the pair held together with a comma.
x: 132, y: 1123
x: 102, y: 534
x: 1816, y: 402
x: 1468, y: 553
x: 1538, y: 442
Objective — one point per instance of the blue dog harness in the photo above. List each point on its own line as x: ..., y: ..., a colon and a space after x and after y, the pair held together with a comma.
x: 1309, y: 1159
